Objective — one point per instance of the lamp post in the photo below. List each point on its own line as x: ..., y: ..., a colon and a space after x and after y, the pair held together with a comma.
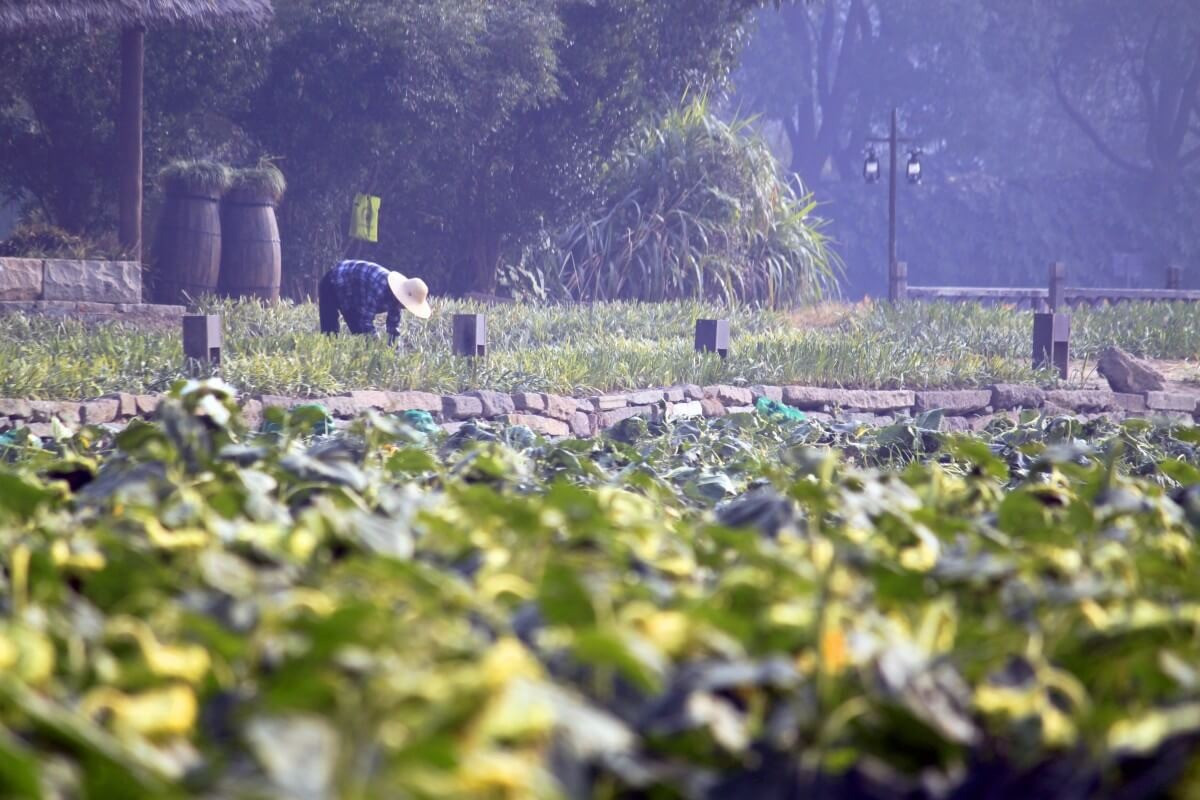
x: 871, y: 175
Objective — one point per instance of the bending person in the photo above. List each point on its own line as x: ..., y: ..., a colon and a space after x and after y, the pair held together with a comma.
x: 361, y: 290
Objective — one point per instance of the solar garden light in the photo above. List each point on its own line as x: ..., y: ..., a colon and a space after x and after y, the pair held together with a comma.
x: 712, y: 336
x: 1052, y: 329
x: 914, y: 167
x: 470, y: 335
x: 871, y: 167
x: 202, y: 337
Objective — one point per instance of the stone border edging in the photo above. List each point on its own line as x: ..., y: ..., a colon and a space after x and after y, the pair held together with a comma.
x: 556, y: 415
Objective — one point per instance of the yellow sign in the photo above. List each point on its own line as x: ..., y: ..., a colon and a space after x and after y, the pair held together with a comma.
x: 364, y: 222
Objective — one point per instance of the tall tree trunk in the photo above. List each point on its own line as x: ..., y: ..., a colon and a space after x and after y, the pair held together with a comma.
x: 129, y: 138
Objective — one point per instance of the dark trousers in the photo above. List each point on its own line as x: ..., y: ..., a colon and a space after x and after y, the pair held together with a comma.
x: 327, y: 305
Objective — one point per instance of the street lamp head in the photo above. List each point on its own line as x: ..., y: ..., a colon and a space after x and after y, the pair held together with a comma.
x: 871, y: 167
x: 914, y: 167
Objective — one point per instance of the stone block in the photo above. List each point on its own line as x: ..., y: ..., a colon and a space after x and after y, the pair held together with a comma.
x: 817, y: 398
x: 1083, y: 400
x: 739, y: 409
x: 712, y: 408
x: 414, y: 401
x: 606, y: 419
x: 43, y: 410
x: 529, y: 401
x: 1009, y: 396
x: 147, y: 404
x: 693, y: 392
x: 646, y: 397
x: 21, y: 279
x: 279, y: 401
x: 15, y: 407
x: 126, y: 404
x: 543, y: 425
x: 42, y: 430
x: 94, y: 412
x: 582, y: 425
x: 1171, y: 401
x: 675, y: 394
x: 774, y: 393
x: 461, y: 406
x: 364, y: 400
x: 867, y: 418
x: 688, y: 410
x: 1130, y: 403
x: 92, y: 281
x: 495, y: 404
x: 729, y: 395
x: 340, y: 406
x: 967, y: 401
x: 559, y: 407
x: 956, y: 424
x: 608, y: 402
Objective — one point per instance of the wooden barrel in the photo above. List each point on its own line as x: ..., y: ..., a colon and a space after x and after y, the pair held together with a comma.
x: 187, y: 248
x: 251, y: 262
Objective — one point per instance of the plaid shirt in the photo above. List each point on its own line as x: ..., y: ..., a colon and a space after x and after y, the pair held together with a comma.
x: 362, y: 293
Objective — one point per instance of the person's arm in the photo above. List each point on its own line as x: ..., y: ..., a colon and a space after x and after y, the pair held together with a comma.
x: 393, y: 322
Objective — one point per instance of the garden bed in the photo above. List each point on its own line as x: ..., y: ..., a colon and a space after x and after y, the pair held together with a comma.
x: 691, y: 609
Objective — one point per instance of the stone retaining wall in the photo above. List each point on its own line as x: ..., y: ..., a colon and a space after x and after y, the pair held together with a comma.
x: 555, y: 415
x: 91, y: 290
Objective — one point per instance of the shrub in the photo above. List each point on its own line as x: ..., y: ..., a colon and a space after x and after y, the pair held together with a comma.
x: 698, y: 208
x: 39, y: 240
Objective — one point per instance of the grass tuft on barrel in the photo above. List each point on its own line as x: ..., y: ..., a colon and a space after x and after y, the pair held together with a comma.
x: 188, y: 246
x: 251, y: 262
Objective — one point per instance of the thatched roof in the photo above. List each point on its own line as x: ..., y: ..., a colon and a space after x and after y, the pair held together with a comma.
x: 71, y: 16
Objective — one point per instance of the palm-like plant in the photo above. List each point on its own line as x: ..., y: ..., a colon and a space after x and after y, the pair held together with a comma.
x: 702, y: 210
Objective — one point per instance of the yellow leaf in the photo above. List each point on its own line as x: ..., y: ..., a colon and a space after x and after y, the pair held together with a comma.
x: 170, y: 711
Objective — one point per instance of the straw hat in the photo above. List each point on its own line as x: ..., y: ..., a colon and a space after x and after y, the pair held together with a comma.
x: 412, y: 293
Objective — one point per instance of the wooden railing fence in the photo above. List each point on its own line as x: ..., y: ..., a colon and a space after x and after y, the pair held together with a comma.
x: 1056, y: 295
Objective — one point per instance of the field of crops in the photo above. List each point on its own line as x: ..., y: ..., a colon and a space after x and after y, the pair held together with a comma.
x: 584, y: 350
x: 740, y: 608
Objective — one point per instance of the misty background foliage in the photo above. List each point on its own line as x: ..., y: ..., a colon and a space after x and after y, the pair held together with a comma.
x: 497, y: 132
x: 1053, y: 130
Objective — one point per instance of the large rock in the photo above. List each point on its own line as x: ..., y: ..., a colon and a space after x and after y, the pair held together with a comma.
x: 770, y: 392
x: 1127, y: 374
x: 814, y: 398
x: 1009, y: 396
x: 960, y: 403
x: 92, y: 281
x: 20, y: 278
x: 688, y: 410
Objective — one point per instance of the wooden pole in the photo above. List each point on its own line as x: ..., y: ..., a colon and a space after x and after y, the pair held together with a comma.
x: 898, y: 283
x: 1174, y: 277
x: 129, y: 140
x: 1057, y: 296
